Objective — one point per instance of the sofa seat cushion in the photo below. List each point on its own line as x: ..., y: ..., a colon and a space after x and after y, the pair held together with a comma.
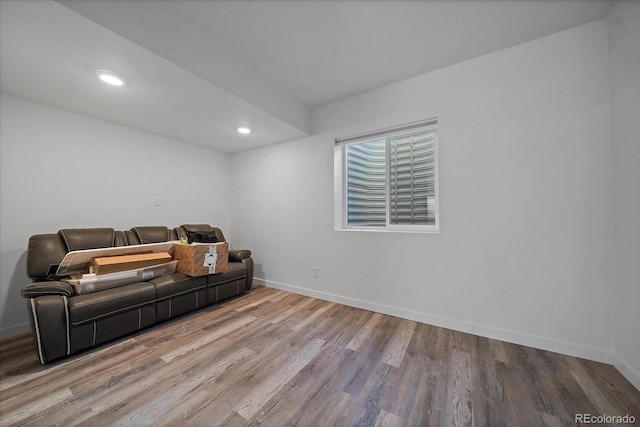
x: 237, y: 270
x: 110, y: 302
x: 176, y: 284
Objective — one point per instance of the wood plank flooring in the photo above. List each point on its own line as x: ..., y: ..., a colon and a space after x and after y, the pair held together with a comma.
x: 274, y: 358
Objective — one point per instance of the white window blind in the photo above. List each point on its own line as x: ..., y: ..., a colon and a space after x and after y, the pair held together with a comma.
x: 390, y: 178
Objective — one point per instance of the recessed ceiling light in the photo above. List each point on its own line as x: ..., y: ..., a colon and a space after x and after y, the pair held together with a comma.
x: 244, y: 129
x: 110, y: 78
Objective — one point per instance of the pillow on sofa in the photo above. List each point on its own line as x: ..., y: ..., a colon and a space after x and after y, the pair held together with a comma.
x: 202, y: 228
x: 202, y: 237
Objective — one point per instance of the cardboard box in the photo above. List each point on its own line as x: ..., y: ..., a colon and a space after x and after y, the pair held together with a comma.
x: 114, y: 264
x: 200, y: 259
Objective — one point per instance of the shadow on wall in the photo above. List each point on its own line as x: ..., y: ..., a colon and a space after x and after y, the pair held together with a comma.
x: 258, y: 272
x: 14, y: 307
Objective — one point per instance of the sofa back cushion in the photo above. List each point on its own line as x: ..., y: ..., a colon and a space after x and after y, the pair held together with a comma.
x: 152, y: 234
x: 44, y: 254
x: 120, y: 239
x: 78, y: 239
x: 46, y: 251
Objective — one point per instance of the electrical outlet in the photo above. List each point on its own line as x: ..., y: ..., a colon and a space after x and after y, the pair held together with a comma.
x: 316, y: 272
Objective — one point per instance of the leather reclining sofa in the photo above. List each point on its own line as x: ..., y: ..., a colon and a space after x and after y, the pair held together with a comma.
x: 64, y: 323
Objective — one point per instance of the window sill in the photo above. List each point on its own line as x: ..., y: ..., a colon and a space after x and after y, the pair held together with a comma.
x: 387, y: 230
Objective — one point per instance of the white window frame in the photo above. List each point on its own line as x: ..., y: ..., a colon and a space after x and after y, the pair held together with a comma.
x: 340, y: 178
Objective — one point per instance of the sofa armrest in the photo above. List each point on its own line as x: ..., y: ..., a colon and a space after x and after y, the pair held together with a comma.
x: 38, y: 289
x: 49, y: 316
x: 248, y: 262
x: 237, y: 255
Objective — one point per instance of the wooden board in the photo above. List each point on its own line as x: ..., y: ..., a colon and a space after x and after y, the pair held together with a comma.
x: 114, y: 264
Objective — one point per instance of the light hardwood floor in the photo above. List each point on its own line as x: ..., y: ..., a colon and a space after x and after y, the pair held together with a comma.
x: 275, y: 358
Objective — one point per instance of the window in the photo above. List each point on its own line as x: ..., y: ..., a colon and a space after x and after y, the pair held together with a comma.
x: 388, y: 180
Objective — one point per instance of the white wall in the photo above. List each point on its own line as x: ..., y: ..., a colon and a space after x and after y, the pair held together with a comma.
x: 624, y: 55
x: 63, y: 170
x: 524, y: 251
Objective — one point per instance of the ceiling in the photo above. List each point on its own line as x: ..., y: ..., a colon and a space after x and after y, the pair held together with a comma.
x: 195, y: 70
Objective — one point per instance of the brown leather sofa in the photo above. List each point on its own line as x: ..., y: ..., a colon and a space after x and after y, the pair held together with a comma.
x: 64, y: 323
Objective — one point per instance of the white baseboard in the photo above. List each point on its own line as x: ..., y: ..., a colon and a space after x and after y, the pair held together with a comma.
x: 12, y: 331
x: 629, y: 373
x: 515, y: 337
